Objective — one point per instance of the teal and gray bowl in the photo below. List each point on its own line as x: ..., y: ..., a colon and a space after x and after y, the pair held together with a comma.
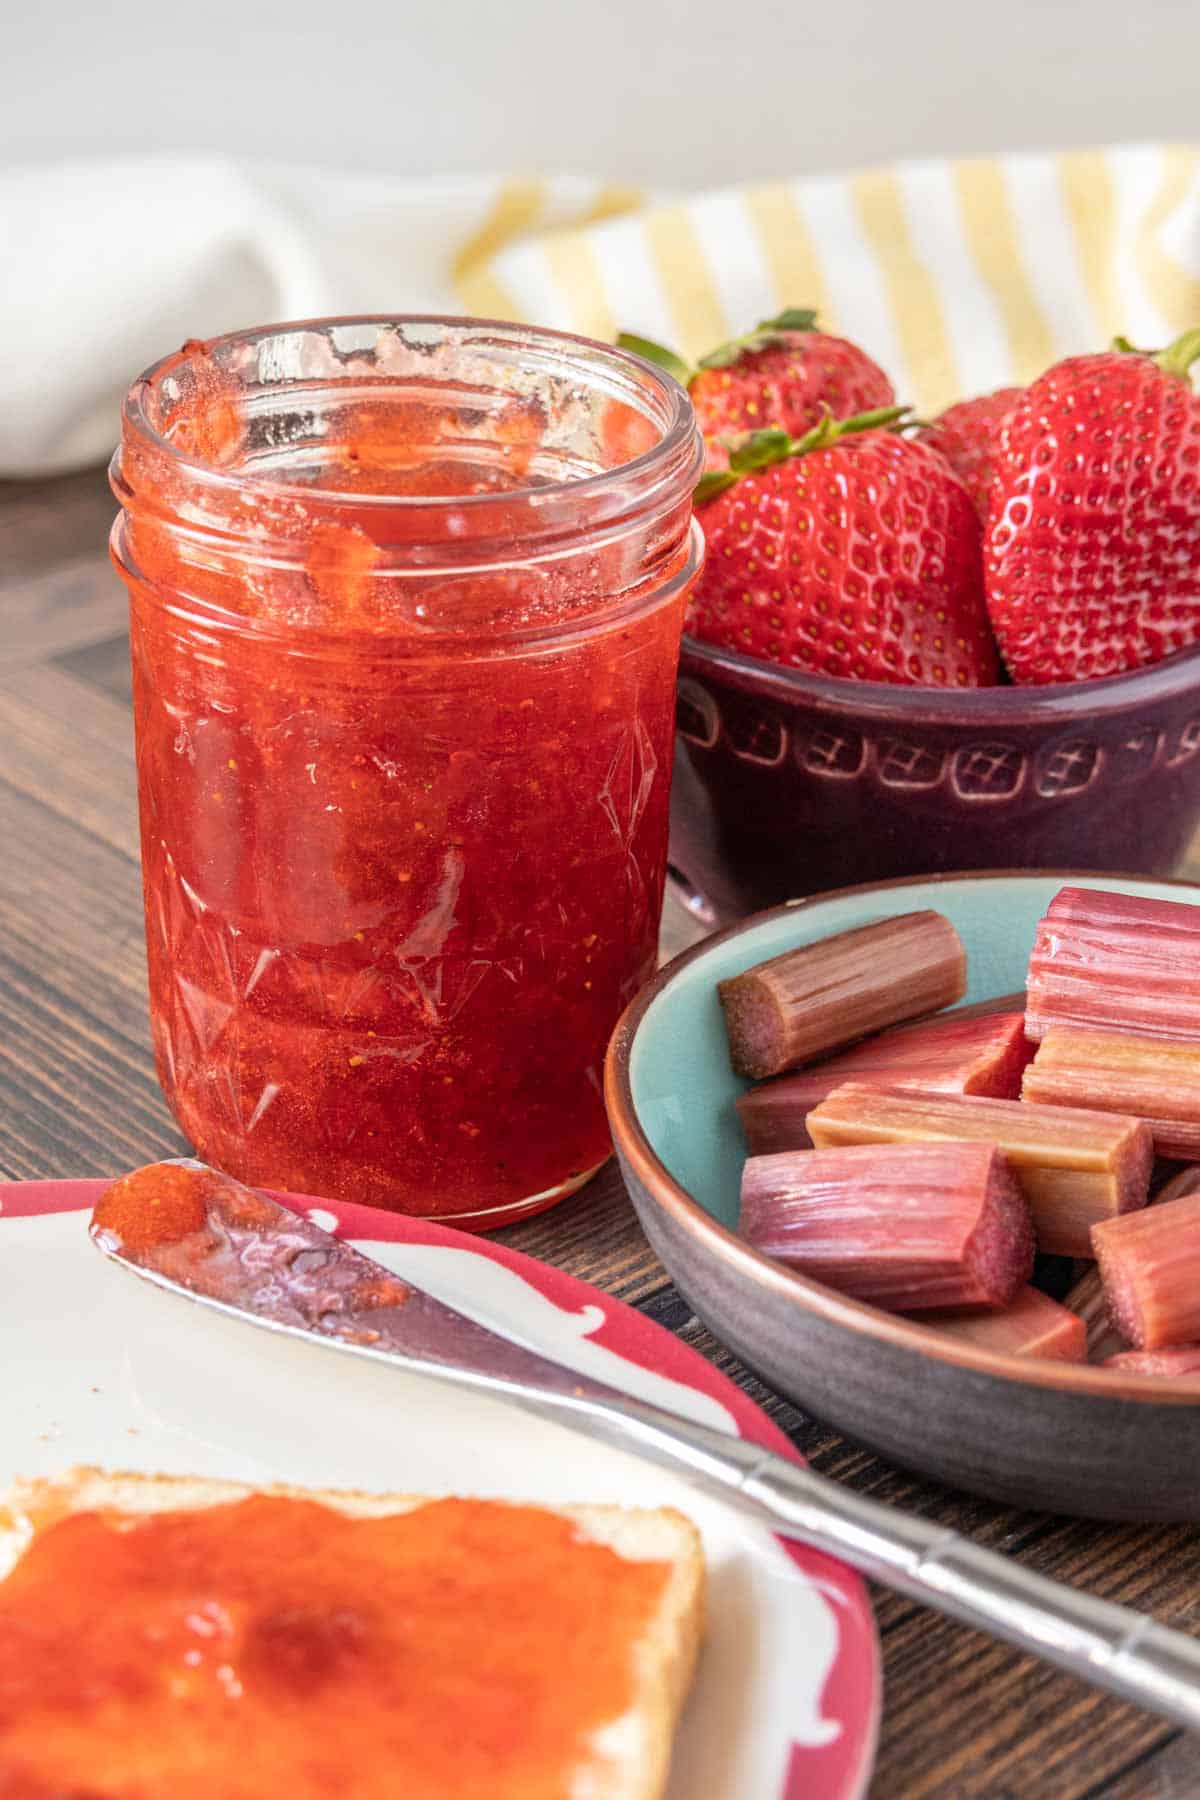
x: 1048, y: 1435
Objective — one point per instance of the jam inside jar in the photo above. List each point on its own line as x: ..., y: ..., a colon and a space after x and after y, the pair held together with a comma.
x: 406, y: 598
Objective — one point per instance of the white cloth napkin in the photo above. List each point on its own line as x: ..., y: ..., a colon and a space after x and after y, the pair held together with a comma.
x: 957, y: 276
x: 107, y: 266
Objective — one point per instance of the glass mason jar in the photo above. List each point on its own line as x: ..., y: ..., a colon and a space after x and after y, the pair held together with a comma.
x: 406, y: 600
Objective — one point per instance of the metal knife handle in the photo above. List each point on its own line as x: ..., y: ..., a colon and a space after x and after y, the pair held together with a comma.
x: 1108, y: 1645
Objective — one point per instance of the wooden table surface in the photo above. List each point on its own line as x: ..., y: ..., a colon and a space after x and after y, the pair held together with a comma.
x: 963, y: 1716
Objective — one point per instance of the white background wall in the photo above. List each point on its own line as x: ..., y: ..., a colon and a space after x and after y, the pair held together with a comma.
x: 658, y: 91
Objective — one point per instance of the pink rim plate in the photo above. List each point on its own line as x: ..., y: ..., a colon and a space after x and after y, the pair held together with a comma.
x: 838, y: 1770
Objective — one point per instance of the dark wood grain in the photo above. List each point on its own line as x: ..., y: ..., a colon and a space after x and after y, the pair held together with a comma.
x: 964, y: 1717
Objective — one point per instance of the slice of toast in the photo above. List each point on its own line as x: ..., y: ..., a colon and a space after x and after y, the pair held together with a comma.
x: 624, y: 1756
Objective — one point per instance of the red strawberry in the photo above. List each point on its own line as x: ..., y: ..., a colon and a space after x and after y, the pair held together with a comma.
x: 782, y: 373
x: 968, y: 436
x: 1092, y: 543
x: 851, y: 551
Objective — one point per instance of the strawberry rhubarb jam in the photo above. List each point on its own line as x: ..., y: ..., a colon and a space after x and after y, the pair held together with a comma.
x: 278, y: 1646
x: 406, y: 598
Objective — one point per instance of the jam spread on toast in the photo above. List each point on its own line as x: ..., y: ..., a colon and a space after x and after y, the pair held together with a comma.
x: 275, y: 1645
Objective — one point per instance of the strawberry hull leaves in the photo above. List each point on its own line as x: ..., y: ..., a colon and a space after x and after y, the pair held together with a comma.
x: 1092, y: 542
x: 784, y: 373
x: 791, y: 382
x: 849, y: 552
x: 657, y: 354
x: 762, y: 448
x: 770, y: 331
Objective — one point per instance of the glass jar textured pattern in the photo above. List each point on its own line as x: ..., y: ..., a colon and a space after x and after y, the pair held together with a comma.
x: 406, y: 597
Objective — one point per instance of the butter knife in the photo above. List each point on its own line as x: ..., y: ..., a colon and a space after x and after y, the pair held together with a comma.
x: 201, y: 1234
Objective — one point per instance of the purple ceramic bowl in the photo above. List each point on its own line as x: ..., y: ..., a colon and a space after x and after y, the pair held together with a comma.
x: 790, y: 784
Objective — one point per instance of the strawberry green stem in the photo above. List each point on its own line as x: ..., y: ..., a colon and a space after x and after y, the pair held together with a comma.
x: 774, y: 445
x: 830, y: 429
x: 1176, y: 359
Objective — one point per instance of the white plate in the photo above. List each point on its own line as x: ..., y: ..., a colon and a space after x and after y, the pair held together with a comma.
x: 100, y: 1368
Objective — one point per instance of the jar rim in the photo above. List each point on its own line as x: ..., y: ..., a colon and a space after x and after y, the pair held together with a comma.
x: 677, y: 451
x: 281, y: 392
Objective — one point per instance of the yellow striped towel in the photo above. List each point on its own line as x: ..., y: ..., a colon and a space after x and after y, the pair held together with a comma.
x: 957, y: 276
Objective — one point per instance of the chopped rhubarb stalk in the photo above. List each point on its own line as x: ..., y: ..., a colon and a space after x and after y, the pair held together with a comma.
x: 948, y: 1055
x: 1087, y: 1297
x: 1116, y: 1072
x: 1116, y: 963
x: 925, y: 1226
x: 1074, y: 1167
x: 809, y: 1001
x: 1148, y: 1264
x: 1034, y: 1325
x: 1184, y: 1359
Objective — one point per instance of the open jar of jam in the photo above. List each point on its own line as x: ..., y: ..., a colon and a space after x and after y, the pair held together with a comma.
x: 406, y: 598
